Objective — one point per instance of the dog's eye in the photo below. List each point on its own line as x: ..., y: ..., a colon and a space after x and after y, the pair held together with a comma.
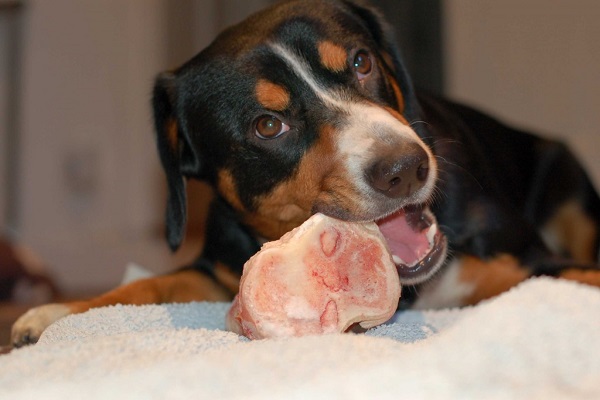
x: 269, y: 127
x: 362, y: 64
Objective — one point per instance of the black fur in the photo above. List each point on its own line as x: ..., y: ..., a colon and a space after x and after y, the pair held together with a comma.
x: 497, y: 186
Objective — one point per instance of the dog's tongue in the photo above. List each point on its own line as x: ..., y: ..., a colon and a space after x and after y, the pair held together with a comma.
x: 406, y: 233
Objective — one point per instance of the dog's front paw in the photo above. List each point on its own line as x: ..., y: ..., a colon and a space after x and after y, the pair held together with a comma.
x: 28, y: 328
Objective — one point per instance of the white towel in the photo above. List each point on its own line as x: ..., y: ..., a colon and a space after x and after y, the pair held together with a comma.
x: 538, y: 341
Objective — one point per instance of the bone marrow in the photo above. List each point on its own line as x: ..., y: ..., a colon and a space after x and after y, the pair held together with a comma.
x: 322, y: 277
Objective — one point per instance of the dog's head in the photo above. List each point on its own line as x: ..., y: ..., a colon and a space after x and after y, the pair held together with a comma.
x: 302, y: 108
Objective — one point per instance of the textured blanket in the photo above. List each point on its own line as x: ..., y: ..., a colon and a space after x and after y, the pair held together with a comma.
x: 538, y: 341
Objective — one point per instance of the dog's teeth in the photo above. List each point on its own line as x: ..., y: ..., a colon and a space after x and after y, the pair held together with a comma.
x: 400, y: 262
x: 431, y: 233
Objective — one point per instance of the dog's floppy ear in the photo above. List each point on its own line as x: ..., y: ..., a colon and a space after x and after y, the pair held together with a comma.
x: 383, y: 35
x: 176, y: 155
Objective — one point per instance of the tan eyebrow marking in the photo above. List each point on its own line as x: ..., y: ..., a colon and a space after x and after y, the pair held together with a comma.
x: 333, y: 57
x: 272, y: 96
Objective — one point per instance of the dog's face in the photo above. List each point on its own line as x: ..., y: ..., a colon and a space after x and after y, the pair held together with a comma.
x: 302, y: 108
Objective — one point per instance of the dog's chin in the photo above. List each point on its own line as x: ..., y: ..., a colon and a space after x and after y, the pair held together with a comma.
x: 417, y: 245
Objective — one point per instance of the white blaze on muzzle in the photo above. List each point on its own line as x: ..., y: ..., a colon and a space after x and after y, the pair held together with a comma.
x: 363, y: 129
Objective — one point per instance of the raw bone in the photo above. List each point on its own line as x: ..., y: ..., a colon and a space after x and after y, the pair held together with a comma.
x: 322, y: 277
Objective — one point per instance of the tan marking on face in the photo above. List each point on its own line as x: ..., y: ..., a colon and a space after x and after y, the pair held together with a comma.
x: 573, y: 231
x: 333, y: 57
x: 397, y: 93
x: 290, y: 203
x: 272, y: 96
x: 589, y: 277
x: 388, y: 60
x: 227, y: 188
x: 270, y: 227
x: 490, y: 277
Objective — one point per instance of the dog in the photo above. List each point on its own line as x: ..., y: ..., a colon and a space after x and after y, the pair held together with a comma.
x: 306, y: 107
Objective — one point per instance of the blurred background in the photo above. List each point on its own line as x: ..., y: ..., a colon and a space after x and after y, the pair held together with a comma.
x: 80, y: 181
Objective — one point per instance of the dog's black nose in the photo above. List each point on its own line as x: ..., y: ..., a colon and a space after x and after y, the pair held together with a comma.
x: 400, y: 173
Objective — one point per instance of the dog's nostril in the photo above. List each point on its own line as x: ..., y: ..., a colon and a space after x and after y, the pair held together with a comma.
x: 395, y: 181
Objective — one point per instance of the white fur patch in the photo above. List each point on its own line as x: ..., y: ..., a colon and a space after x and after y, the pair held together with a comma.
x: 303, y: 70
x: 445, y: 291
x: 366, y: 125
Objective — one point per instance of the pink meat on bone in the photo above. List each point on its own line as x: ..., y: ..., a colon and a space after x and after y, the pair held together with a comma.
x: 322, y: 277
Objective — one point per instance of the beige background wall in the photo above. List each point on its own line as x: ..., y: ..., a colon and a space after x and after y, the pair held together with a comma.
x: 91, y: 189
x: 87, y: 158
x: 4, y: 76
x: 8, y: 21
x: 535, y: 63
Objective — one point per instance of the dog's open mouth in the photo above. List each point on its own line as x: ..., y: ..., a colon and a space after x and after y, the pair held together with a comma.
x: 417, y: 245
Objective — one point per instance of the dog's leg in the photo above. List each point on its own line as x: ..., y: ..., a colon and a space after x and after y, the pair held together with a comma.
x: 467, y: 280
x: 586, y: 276
x: 181, y: 286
